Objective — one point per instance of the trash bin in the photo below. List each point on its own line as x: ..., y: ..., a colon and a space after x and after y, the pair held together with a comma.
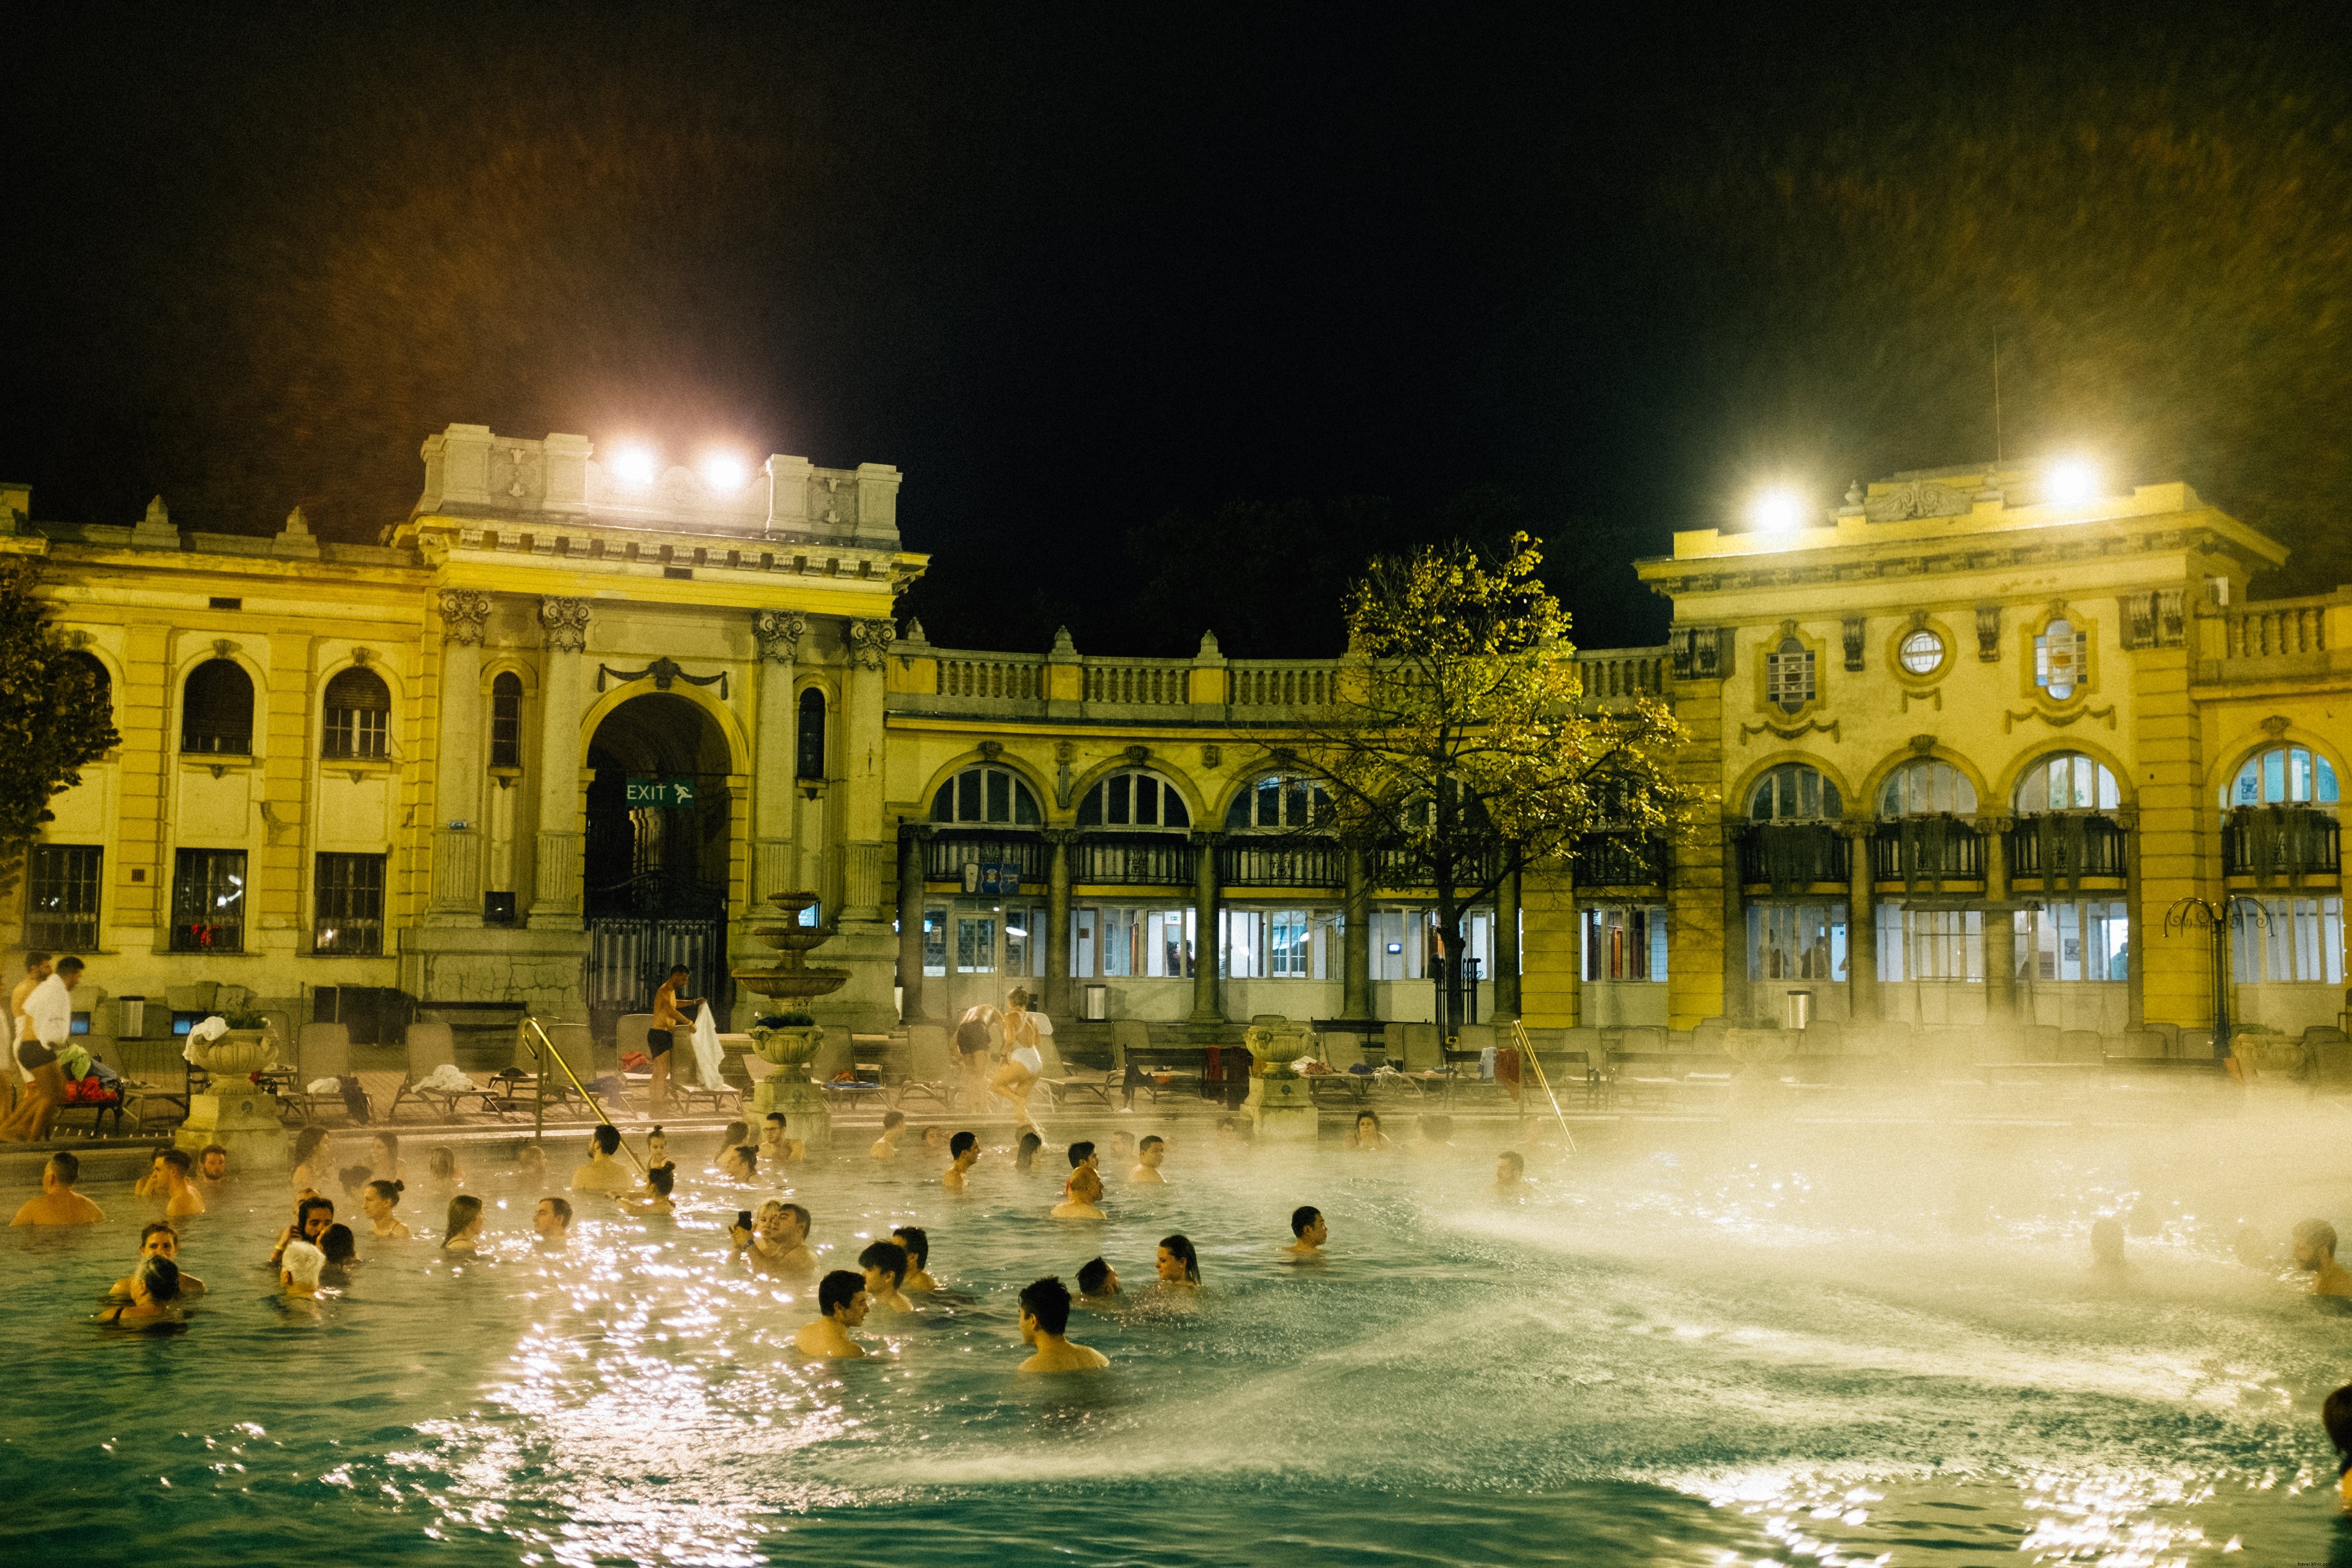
x: 1094, y: 1003
x: 1800, y: 1009
x: 130, y: 1017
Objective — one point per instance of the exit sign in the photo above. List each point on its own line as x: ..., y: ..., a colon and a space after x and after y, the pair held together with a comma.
x: 665, y: 792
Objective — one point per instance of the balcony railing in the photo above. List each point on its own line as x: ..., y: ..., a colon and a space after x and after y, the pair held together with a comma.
x: 2065, y: 846
x: 1132, y: 860
x: 1931, y: 849
x: 946, y: 853
x: 2268, y: 842
x: 1619, y: 674
x: 1147, y: 685
x: 1004, y: 679
x: 1397, y: 870
x: 1246, y: 862
x: 1619, y: 860
x: 1789, y: 855
x: 2275, y: 630
x: 1288, y: 684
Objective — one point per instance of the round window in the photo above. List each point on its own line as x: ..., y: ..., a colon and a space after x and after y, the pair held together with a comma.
x: 1920, y: 652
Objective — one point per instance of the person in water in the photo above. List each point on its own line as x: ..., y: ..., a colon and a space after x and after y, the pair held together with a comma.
x: 740, y: 1164
x: 1178, y: 1266
x: 377, y: 1200
x: 464, y: 1234
x: 2335, y: 1415
x: 1368, y: 1137
x: 155, y: 1289
x: 354, y: 1180
x: 299, y: 1270
x: 2315, y: 1254
x: 935, y: 1140
x: 1148, y: 1157
x: 1432, y: 1134
x: 738, y: 1132
x: 1510, y: 1174
x: 841, y: 1306
x: 1024, y: 1154
x: 894, y: 1126
x: 885, y: 1263
x: 211, y: 1170
x: 777, y: 1242
x: 776, y: 1148
x: 312, y: 1215
x: 963, y: 1150
x: 2108, y: 1248
x: 659, y: 1183
x: 150, y: 1183
x: 178, y: 1186
x: 341, y: 1251
x: 1097, y: 1280
x: 158, y: 1240
x: 552, y: 1221
x: 917, y: 1243
x: 441, y: 1168
x: 1309, y: 1232
x: 385, y: 1159
x: 602, y: 1173
x: 656, y: 1147
x: 1083, y: 1197
x: 1045, y: 1328
x: 313, y: 1159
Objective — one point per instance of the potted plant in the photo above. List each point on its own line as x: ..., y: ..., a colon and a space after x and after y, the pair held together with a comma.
x: 240, y: 1052
x: 790, y: 1040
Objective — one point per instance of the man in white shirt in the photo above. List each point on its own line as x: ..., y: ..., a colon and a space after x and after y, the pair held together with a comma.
x: 49, y: 1019
x: 36, y: 969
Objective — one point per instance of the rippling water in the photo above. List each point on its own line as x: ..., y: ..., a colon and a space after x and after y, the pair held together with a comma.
x: 1827, y: 1345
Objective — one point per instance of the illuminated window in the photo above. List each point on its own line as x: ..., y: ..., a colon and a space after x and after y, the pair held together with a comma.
x: 61, y: 905
x: 2068, y: 782
x: 2284, y: 775
x: 1920, y: 652
x: 359, y: 713
x: 2290, y: 940
x: 1788, y: 675
x: 985, y: 794
x: 208, y: 900
x: 1275, y: 801
x: 1925, y: 788
x: 1796, y: 942
x: 2061, y: 659
x: 350, y: 909
x: 1134, y: 800
x: 1930, y: 944
x: 1795, y: 793
x: 2069, y: 941
x: 1625, y: 944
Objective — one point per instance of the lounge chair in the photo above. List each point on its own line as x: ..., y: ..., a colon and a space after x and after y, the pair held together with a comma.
x: 1061, y: 1081
x: 932, y: 1066
x: 430, y: 1048
x: 321, y: 1051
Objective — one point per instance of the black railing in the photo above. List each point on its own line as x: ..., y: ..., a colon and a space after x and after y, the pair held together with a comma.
x: 946, y: 853
x: 1619, y: 860
x: 654, y: 896
x: 1132, y: 860
x: 1399, y: 871
x: 1786, y: 856
x: 1245, y: 862
x: 2269, y: 841
x: 216, y: 742
x: 1939, y: 849
x: 2065, y: 846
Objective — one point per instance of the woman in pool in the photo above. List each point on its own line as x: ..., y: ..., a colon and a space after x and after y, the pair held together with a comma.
x: 158, y: 1240
x: 465, y: 1232
x: 384, y: 1158
x: 314, y: 1162
x: 154, y: 1288
x: 1024, y: 1063
x: 1368, y: 1137
x: 530, y: 1165
x: 659, y: 1183
x: 377, y: 1203
x: 1178, y: 1266
x: 736, y: 1133
x: 1025, y: 1157
x: 343, y: 1251
x: 442, y: 1170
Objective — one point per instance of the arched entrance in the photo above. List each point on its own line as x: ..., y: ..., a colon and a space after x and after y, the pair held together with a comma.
x: 654, y: 884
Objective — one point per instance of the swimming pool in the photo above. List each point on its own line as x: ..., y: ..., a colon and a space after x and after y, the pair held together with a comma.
x: 1795, y: 1344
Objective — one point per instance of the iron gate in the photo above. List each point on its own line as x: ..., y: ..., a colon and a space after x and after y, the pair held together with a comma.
x: 637, y: 930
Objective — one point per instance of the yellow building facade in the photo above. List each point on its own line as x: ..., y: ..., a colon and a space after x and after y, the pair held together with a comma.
x: 1975, y: 757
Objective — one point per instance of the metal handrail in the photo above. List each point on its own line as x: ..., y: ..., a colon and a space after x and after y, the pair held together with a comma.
x: 548, y: 1048
x: 1527, y: 1054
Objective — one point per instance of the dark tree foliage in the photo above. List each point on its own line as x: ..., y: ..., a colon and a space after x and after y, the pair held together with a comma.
x: 54, y: 716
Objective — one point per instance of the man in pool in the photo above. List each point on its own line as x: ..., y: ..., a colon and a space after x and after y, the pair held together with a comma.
x: 1085, y: 1192
x: 178, y: 1186
x: 2315, y: 1254
x: 1097, y: 1280
x: 1147, y: 1156
x: 1045, y: 1328
x: 894, y: 1125
x: 552, y: 1220
x: 885, y: 1263
x: 160, y: 1240
x: 1510, y: 1174
x: 774, y: 1147
x: 299, y: 1268
x: 841, y: 1306
x: 58, y: 1202
x: 211, y: 1170
x: 667, y: 1016
x: 917, y: 1243
x: 1309, y: 1232
x: 964, y: 1151
x: 602, y: 1173
x: 2335, y: 1416
x: 777, y: 1242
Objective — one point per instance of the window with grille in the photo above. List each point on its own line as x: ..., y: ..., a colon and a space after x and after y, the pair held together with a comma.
x: 208, y: 900
x: 350, y: 906
x: 986, y: 794
x: 61, y: 908
x: 1788, y: 675
x: 506, y: 720
x: 1796, y: 942
x: 810, y: 750
x: 2061, y: 659
x: 217, y: 710
x: 359, y: 714
x: 2287, y: 939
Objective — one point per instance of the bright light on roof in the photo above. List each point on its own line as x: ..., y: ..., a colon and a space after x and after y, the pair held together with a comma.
x: 634, y: 465
x: 2071, y: 480
x: 724, y: 472
x: 1777, y: 511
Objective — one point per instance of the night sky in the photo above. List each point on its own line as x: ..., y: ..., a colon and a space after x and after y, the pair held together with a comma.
x: 1170, y: 316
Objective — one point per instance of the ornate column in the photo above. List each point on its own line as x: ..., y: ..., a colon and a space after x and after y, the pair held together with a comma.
x: 774, y: 869
x: 866, y: 852
x: 1355, y: 960
x: 1999, y: 924
x: 1861, y: 923
x: 1204, y: 920
x: 458, y: 761
x: 1058, y: 1000
x: 555, y: 900
x: 911, y: 838
x: 1506, y: 949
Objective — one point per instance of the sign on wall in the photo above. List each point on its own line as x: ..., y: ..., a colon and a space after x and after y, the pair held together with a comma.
x: 671, y: 794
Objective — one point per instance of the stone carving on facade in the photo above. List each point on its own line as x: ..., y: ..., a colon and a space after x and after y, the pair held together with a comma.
x: 1700, y: 653
x: 566, y: 621
x: 990, y: 750
x: 2276, y: 725
x: 1788, y: 732
x: 1988, y: 633
x: 869, y: 643
x: 1854, y: 627
x: 1920, y: 497
x: 1211, y: 756
x: 515, y: 471
x: 779, y: 633
x: 1064, y: 754
x: 664, y: 672
x: 463, y: 611
x: 1924, y: 745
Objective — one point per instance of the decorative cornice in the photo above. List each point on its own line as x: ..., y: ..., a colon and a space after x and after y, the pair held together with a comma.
x: 2057, y: 720
x: 566, y: 623
x: 1788, y: 732
x: 664, y: 672
x: 779, y: 633
x: 463, y: 611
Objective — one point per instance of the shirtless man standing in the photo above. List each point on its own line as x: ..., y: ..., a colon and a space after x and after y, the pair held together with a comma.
x: 47, y: 1025
x: 58, y: 1202
x: 658, y: 1039
x: 1147, y: 1156
x: 965, y: 1149
x: 841, y: 1301
x: 1045, y: 1326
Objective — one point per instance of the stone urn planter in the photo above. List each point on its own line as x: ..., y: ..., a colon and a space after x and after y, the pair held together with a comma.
x: 791, y: 1047
x: 1281, y: 1104
x: 234, y: 1111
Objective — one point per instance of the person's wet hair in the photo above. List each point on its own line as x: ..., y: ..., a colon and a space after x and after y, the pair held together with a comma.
x: 2336, y: 1417
x: 961, y: 1142
x: 1302, y: 1216
x: 2318, y: 1234
x: 1048, y: 1301
x: 800, y: 1217
x: 464, y: 1210
x: 839, y: 1289
x: 1371, y: 1116
x: 388, y: 1190
x: 1025, y: 1156
x: 178, y: 1160
x: 157, y: 1227
x: 160, y: 1277
x: 778, y: 1118
x: 607, y: 1138
x: 916, y: 1241
x: 391, y: 1142
x: 1080, y: 1152
x: 441, y: 1164
x: 340, y: 1245
x: 661, y: 1178
x: 209, y: 1150
x: 888, y: 1257
x: 1093, y: 1275
x: 306, y: 1143
x: 354, y: 1178
x: 68, y: 1168
x: 893, y: 1119
x: 561, y: 1208
x: 736, y: 1132
x: 749, y: 1154
x: 1152, y: 1140
x: 1180, y: 1248
x: 1519, y: 1162
x: 302, y: 1213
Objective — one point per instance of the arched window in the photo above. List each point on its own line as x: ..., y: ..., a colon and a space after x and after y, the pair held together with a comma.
x: 2283, y: 775
x: 809, y: 752
x: 1275, y: 801
x: 2067, y: 781
x: 100, y: 681
x: 217, y: 710
x: 985, y: 794
x: 2061, y: 658
x: 359, y: 714
x: 1134, y: 800
x: 1794, y: 791
x: 506, y: 720
x: 1926, y: 787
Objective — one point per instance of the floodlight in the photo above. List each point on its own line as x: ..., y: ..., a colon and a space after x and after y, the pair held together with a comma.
x: 724, y: 472
x: 2071, y: 480
x: 1776, y: 511
x: 634, y: 465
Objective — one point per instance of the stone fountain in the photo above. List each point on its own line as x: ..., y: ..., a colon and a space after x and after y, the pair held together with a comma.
x: 234, y: 1111
x: 1281, y: 1103
x: 790, y: 984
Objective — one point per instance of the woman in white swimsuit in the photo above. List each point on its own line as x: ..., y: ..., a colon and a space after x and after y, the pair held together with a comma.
x: 1023, y: 1062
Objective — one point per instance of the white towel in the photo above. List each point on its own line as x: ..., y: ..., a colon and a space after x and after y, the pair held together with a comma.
x: 325, y: 1086
x: 446, y: 1078
x: 709, y: 1058
x: 204, y: 1029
